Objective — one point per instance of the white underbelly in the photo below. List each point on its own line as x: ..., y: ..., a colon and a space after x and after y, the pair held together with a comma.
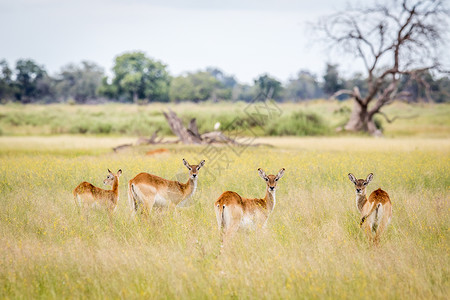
x: 96, y: 205
x: 160, y: 201
x: 247, y: 221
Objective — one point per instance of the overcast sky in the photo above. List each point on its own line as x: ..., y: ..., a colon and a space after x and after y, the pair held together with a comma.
x: 243, y: 38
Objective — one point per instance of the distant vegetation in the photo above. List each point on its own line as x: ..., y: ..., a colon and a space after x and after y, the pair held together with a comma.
x: 140, y: 79
x: 313, y: 118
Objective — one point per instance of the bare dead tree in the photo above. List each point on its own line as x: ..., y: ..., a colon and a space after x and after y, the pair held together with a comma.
x: 392, y: 39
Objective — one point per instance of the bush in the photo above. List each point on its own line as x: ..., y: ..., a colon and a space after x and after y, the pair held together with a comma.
x: 79, y: 128
x: 100, y: 128
x: 299, y: 123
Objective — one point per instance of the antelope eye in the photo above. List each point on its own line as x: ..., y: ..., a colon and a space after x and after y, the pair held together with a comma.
x: 276, y: 179
x: 267, y: 179
x: 365, y: 183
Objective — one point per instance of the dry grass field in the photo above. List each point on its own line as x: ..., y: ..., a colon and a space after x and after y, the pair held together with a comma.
x: 312, y: 247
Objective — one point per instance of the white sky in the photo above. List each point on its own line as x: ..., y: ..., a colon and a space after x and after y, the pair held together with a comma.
x: 243, y: 38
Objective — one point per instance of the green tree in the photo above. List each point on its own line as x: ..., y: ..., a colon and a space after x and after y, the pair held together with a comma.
x: 79, y: 82
x: 424, y: 87
x: 332, y: 81
x: 442, y: 92
x: 269, y: 87
x: 32, y: 81
x: 197, y: 86
x: 137, y: 77
x: 7, y: 88
x: 181, y: 89
x: 305, y: 86
x: 357, y: 80
x: 227, y: 83
x: 106, y: 89
x: 226, y: 80
x: 244, y: 92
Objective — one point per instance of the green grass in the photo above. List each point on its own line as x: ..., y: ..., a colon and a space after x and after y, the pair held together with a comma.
x: 308, y: 118
x: 298, y: 123
x: 312, y: 248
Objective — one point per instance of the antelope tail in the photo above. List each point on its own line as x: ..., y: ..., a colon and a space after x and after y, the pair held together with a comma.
x: 374, y: 207
x: 220, y: 215
x: 132, y: 197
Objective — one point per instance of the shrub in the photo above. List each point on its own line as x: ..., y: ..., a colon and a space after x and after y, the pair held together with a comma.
x: 299, y: 123
x: 79, y: 128
x: 100, y: 128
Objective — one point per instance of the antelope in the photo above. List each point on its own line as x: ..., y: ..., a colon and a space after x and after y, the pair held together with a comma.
x: 234, y: 211
x: 377, y: 210
x: 86, y: 194
x: 149, y: 190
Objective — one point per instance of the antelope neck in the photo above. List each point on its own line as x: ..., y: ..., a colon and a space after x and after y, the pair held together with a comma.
x: 115, y: 186
x: 270, y: 200
x: 360, y: 201
x: 189, y: 187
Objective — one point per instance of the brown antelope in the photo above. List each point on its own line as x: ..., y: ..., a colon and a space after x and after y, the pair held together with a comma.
x: 377, y: 210
x: 86, y: 194
x: 233, y: 211
x: 149, y: 190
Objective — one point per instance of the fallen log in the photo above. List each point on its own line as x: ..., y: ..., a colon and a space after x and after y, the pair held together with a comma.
x: 176, y: 125
x: 188, y: 135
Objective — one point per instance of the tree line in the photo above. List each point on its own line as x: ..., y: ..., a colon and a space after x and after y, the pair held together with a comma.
x: 138, y: 78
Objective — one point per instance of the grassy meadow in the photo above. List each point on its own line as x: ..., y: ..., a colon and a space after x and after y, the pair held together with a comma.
x: 312, y: 248
x: 312, y: 118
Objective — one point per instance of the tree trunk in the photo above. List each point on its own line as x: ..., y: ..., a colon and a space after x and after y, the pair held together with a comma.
x: 193, y: 129
x: 185, y: 136
x: 361, y: 120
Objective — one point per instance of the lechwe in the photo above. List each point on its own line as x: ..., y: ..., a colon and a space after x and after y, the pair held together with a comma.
x: 86, y: 194
x: 233, y: 211
x: 148, y: 190
x: 377, y: 210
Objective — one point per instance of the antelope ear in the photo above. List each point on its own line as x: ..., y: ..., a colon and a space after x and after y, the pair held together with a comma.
x: 352, y: 178
x: 201, y: 164
x: 119, y: 172
x: 262, y: 173
x: 109, y: 171
x: 280, y: 174
x: 187, y: 164
x: 369, y: 178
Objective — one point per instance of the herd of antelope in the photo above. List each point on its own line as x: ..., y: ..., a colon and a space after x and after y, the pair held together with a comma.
x: 233, y: 211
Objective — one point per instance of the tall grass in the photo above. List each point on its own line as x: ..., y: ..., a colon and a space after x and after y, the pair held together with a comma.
x: 297, y: 119
x: 298, y: 123
x: 312, y: 248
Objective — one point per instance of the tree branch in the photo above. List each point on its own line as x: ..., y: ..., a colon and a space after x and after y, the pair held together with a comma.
x: 396, y: 117
x: 401, y: 36
x: 354, y: 93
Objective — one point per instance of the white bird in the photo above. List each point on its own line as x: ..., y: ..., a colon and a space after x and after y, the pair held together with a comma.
x: 217, y: 126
